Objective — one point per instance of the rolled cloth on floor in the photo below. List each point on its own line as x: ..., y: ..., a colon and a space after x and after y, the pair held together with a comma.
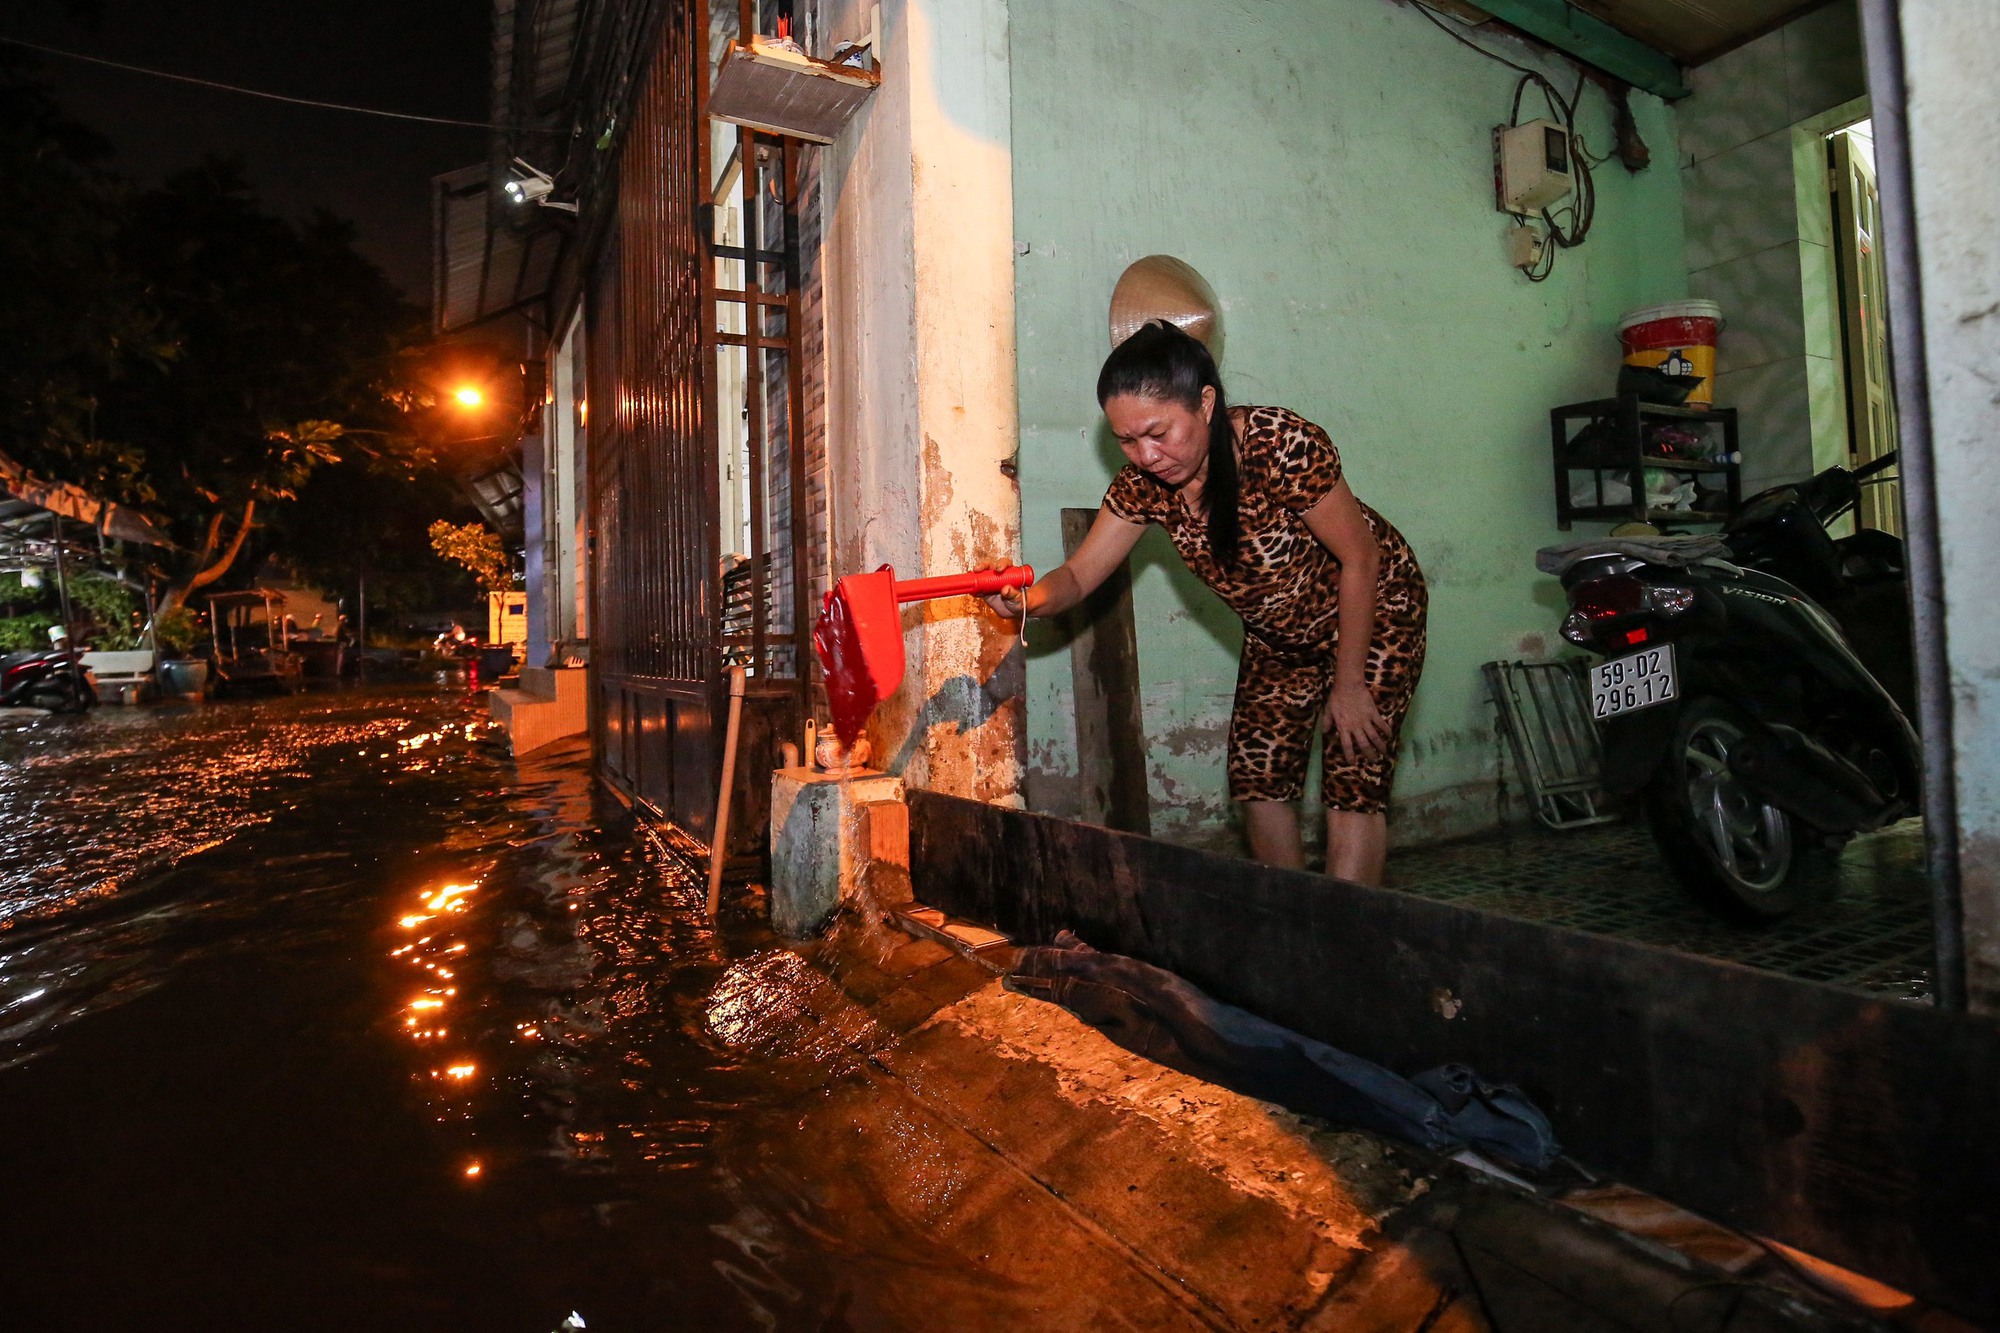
x: 1155, y: 1014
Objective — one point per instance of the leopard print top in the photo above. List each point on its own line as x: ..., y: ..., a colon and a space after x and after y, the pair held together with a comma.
x: 1284, y: 582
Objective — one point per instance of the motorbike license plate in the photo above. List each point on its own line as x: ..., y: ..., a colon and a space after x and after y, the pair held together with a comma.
x: 1637, y: 680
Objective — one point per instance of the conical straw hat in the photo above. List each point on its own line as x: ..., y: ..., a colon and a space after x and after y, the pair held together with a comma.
x: 1162, y: 287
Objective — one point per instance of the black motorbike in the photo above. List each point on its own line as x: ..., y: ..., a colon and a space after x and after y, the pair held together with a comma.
x: 1756, y: 689
x: 50, y: 678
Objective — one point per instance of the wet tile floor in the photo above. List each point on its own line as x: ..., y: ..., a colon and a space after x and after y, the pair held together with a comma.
x: 1870, y: 929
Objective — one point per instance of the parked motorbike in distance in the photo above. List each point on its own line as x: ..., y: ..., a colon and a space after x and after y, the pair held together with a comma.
x: 51, y: 678
x: 1756, y: 688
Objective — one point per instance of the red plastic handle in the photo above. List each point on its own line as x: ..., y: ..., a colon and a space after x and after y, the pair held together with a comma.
x: 979, y: 583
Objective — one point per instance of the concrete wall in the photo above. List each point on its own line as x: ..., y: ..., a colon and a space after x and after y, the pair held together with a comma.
x: 1759, y: 233
x: 1950, y: 52
x: 534, y: 518
x: 920, y: 386
x: 1327, y: 165
x: 565, y: 498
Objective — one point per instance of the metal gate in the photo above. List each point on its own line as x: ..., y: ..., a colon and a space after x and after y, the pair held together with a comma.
x: 694, y: 404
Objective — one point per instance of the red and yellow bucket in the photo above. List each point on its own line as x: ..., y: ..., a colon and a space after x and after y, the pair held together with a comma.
x: 1678, y: 338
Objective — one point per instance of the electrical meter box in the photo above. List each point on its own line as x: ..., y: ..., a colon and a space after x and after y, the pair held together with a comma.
x: 1532, y: 166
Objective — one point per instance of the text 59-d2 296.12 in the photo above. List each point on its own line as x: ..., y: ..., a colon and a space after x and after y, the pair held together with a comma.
x: 1637, y: 680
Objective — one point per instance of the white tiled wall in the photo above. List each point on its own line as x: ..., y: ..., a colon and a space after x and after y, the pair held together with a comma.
x: 1757, y: 230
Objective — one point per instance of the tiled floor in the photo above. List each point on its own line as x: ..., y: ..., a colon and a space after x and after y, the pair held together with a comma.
x: 1870, y: 929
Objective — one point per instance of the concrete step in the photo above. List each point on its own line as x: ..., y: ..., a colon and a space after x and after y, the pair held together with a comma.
x: 558, y: 683
x: 550, y: 705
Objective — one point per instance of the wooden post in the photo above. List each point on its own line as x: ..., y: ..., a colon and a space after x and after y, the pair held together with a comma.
x: 62, y: 580
x: 718, y: 851
x: 1104, y: 675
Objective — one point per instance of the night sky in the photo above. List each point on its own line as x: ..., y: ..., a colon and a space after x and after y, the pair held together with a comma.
x: 424, y: 56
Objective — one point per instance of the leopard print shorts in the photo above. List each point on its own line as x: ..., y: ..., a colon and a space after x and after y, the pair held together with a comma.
x: 1279, y: 695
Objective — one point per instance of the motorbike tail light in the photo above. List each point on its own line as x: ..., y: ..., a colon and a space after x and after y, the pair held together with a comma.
x: 1597, y: 600
x: 1669, y: 600
x: 1601, y: 599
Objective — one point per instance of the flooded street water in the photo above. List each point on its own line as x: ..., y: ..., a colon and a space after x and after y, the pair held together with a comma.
x: 320, y: 1013
x: 323, y: 1013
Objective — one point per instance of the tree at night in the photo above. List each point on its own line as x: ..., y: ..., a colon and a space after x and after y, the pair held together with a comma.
x: 285, y: 358
x: 252, y: 382
x: 75, y: 320
x: 360, y: 526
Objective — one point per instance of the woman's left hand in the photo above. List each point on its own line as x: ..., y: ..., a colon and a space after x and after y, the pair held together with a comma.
x: 1351, y: 713
x: 1011, y: 603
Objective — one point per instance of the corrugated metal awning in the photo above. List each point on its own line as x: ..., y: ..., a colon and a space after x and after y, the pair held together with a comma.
x: 487, y: 261
x: 534, y: 57
x: 23, y: 496
x: 493, y: 257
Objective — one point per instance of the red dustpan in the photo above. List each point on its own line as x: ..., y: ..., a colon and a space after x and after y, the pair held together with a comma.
x: 860, y: 635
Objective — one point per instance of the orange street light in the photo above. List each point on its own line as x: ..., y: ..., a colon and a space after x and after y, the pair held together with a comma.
x: 469, y: 396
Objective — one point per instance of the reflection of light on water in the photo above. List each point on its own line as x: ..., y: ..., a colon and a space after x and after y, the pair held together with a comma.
x: 98, y: 806
x: 557, y: 1028
x: 107, y: 823
x: 447, y: 898
x: 775, y: 1005
x: 449, y: 1084
x: 758, y: 997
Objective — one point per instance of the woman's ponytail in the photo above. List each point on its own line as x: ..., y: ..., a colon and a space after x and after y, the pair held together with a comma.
x: 1225, y: 522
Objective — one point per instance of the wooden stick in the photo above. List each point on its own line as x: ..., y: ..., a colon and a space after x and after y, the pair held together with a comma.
x: 718, y: 851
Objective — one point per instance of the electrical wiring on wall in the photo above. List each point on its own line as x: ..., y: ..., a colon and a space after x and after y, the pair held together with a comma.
x: 1578, y: 214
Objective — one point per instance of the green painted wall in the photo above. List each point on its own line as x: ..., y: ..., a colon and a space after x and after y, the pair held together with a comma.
x: 1326, y: 164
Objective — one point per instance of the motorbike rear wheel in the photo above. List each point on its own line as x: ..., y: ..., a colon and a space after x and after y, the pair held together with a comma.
x: 58, y: 696
x: 1738, y: 855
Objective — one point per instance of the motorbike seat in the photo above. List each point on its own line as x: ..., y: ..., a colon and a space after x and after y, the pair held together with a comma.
x: 1673, y: 551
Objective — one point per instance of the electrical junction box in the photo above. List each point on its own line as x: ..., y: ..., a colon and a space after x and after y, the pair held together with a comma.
x: 1532, y: 166
x: 1524, y: 246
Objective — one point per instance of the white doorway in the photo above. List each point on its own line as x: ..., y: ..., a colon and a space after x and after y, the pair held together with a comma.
x: 1863, y: 325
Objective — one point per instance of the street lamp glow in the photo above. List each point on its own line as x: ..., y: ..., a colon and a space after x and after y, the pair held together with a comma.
x: 469, y: 397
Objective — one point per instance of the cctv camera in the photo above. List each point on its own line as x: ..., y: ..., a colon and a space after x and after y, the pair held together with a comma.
x: 530, y: 190
x: 534, y: 188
